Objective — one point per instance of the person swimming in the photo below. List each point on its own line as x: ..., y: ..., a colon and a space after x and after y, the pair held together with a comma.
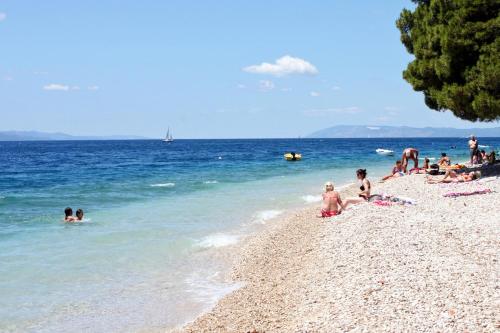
x: 68, y: 212
x: 409, y: 154
x: 79, y: 214
x: 365, y: 188
x: 331, y: 201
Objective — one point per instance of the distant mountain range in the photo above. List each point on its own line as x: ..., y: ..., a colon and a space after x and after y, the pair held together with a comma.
x: 346, y: 131
x: 42, y: 136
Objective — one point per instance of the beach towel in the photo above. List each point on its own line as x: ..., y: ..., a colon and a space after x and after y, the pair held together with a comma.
x: 463, y: 194
x: 388, y: 200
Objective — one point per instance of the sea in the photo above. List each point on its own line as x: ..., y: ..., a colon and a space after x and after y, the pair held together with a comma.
x: 160, y: 220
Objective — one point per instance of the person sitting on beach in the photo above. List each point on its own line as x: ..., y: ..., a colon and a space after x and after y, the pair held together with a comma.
x: 444, y: 161
x: 423, y: 169
x: 409, y: 154
x: 365, y: 188
x: 397, y: 171
x: 452, y: 176
x: 475, y: 159
x: 79, y: 214
x: 492, y: 158
x: 331, y: 201
x: 68, y: 212
x: 427, y: 164
x: 484, y: 157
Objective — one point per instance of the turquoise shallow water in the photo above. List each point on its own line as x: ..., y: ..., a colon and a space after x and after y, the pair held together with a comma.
x: 158, y: 218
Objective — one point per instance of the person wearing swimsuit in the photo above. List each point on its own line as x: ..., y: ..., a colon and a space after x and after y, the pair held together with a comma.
x: 444, y: 160
x: 409, y: 154
x: 397, y: 171
x: 365, y: 188
x: 331, y: 201
x: 453, y: 177
x: 473, y: 145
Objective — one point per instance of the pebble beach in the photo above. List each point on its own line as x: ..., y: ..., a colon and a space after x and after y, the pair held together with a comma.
x: 430, y: 266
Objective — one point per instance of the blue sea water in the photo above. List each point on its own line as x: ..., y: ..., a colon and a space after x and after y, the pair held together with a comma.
x: 158, y: 218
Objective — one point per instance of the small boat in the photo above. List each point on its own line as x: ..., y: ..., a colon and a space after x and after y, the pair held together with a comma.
x: 292, y: 156
x: 385, y: 152
x: 168, y: 138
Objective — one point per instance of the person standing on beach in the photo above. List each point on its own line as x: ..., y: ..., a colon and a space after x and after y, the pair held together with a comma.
x: 473, y: 148
x: 331, y: 201
x: 409, y: 154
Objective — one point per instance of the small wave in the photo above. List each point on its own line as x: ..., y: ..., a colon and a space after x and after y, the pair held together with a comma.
x: 266, y: 215
x: 311, y: 198
x: 430, y: 158
x: 218, y: 240
x: 210, y: 182
x: 483, y: 146
x: 163, y: 185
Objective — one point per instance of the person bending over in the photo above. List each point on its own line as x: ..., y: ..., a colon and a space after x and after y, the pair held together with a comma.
x: 365, y: 188
x: 331, y: 201
x: 409, y: 154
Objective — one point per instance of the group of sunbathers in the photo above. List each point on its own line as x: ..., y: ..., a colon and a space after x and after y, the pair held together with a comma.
x: 333, y: 204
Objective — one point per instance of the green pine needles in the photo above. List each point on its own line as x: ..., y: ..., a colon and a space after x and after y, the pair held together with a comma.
x: 456, y: 44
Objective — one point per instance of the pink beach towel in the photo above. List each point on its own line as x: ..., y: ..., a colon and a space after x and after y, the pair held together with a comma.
x: 463, y: 194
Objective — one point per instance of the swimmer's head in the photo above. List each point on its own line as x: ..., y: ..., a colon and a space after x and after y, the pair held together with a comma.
x: 329, y: 186
x: 79, y: 213
x: 398, y: 162
x: 443, y: 154
x: 68, y: 211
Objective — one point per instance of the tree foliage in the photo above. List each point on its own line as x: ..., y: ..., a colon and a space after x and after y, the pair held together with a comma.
x: 456, y: 44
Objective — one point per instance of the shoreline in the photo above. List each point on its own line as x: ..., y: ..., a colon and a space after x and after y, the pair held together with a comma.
x: 296, y: 273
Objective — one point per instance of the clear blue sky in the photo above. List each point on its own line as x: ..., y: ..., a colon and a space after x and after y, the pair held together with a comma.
x: 136, y: 67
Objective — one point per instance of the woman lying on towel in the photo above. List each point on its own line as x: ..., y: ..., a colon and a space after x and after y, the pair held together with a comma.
x: 452, y: 177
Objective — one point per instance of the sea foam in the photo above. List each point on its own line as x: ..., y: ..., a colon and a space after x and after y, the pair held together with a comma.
x: 218, y: 240
x: 311, y: 198
x: 266, y: 215
x: 210, y: 182
x: 163, y: 185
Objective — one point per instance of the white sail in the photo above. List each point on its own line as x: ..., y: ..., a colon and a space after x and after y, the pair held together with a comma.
x: 168, y: 136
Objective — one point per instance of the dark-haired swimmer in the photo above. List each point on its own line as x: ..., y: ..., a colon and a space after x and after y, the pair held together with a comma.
x: 68, y: 212
x: 79, y: 214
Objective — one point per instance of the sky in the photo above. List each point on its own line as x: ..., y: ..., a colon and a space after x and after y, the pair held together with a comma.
x: 206, y: 69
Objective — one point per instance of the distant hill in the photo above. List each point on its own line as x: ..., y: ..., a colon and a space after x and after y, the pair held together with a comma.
x: 42, y: 136
x: 346, y: 131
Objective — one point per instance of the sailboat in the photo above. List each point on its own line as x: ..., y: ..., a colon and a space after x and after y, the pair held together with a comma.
x: 168, y: 138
